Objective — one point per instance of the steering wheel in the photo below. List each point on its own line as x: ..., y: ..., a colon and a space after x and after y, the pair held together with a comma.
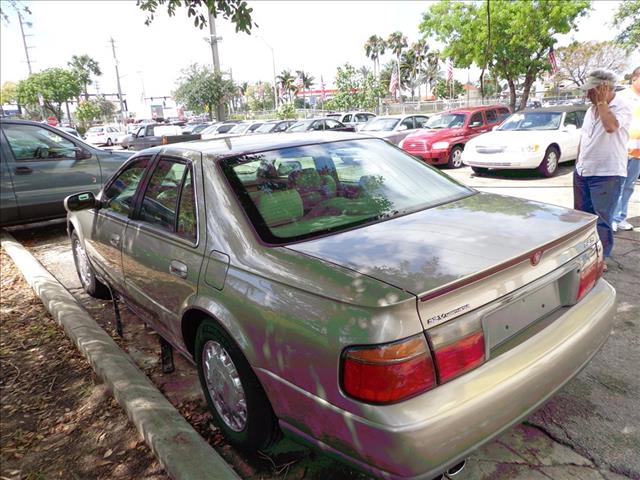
x: 41, y: 152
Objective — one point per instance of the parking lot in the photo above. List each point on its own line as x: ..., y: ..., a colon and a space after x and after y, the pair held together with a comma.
x: 589, y: 430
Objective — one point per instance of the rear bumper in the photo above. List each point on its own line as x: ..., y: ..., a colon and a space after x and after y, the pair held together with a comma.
x: 421, y: 437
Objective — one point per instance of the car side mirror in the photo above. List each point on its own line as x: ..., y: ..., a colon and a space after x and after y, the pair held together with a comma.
x: 82, y: 154
x: 475, y: 124
x: 402, y: 128
x: 81, y: 201
x: 569, y: 128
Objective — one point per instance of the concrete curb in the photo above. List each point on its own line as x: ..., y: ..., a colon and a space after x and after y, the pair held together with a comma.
x: 182, y: 452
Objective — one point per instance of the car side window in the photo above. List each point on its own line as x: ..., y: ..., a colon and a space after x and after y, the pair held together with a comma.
x: 187, y: 224
x: 31, y: 142
x: 571, y: 119
x: 347, y: 118
x: 362, y: 117
x: 580, y: 118
x: 492, y: 116
x: 420, y: 121
x: 318, y: 125
x: 281, y: 127
x: 476, y: 120
x: 160, y: 201
x: 140, y: 132
x: 118, y: 196
x: 150, y: 131
x: 332, y: 124
x: 408, y: 122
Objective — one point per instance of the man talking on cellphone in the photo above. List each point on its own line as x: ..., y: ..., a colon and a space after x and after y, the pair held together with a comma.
x: 601, y: 166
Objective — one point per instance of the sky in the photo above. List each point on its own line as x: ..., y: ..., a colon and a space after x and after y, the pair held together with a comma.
x: 315, y: 36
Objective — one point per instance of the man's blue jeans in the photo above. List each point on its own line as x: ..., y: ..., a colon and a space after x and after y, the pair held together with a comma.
x: 598, y: 195
x: 633, y: 170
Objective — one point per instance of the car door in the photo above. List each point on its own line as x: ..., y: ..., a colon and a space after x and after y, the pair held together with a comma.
x: 46, y: 166
x: 104, y: 229
x: 8, y: 205
x: 477, y: 126
x: 570, y: 137
x: 162, y: 249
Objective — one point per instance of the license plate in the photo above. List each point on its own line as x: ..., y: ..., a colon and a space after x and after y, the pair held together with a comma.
x: 512, y: 318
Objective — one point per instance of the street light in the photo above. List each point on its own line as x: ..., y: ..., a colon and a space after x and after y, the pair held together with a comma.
x: 273, y: 64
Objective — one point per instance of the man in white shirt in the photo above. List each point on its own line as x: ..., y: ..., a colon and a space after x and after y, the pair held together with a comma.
x: 632, y: 94
x: 601, y: 166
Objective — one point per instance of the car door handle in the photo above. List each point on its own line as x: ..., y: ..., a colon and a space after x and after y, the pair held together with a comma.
x: 114, y: 240
x: 178, y: 269
x: 23, y: 170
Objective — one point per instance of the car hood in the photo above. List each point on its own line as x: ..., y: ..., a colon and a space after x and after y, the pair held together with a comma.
x: 433, y: 135
x: 431, y: 248
x: 507, y: 138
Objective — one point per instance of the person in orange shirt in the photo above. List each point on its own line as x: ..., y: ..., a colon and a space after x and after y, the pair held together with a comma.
x: 632, y: 95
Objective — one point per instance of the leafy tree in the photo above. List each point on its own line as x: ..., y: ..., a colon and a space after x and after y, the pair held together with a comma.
x: 374, y: 48
x: 84, y: 66
x: 260, y: 96
x: 107, y: 108
x: 577, y: 59
x: 8, y: 93
x: 87, y: 111
x: 355, y: 90
x: 287, y: 110
x: 15, y: 5
x: 513, y: 39
x: 55, y: 86
x: 200, y: 89
x: 237, y: 11
x: 627, y: 17
x: 443, y: 89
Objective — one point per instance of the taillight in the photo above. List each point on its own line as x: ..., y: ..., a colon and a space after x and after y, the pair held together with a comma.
x: 458, y: 347
x: 591, y: 271
x: 390, y: 372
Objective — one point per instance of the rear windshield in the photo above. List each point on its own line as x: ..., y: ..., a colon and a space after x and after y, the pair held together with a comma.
x: 95, y: 130
x: 304, y: 192
x: 380, y: 125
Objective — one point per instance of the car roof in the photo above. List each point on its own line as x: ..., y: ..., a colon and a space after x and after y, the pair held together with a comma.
x: 234, y: 146
x: 558, y: 108
x: 475, y: 109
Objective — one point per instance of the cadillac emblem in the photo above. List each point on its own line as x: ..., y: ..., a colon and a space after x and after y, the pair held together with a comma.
x: 535, y: 258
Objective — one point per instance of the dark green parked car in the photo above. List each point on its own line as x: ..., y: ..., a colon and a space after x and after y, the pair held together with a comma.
x: 41, y: 165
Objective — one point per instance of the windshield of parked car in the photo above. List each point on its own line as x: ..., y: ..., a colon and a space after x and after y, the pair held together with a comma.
x: 300, y: 126
x: 304, y: 192
x: 445, y: 120
x: 380, y: 125
x: 199, y: 128
x: 240, y: 128
x: 532, y: 121
x: 210, y: 129
x: 266, y: 127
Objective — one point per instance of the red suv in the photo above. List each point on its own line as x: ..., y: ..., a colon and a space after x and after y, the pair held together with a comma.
x: 442, y: 138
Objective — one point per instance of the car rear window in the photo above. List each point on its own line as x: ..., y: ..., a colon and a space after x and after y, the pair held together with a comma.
x: 299, y: 193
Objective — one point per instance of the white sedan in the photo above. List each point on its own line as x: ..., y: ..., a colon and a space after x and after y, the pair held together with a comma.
x: 532, y: 139
x: 103, y: 135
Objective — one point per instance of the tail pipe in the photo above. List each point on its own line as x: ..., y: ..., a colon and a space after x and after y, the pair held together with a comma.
x: 453, y: 471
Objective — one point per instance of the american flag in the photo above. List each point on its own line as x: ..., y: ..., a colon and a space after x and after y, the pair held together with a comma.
x: 298, y: 83
x: 323, y: 96
x: 393, y: 83
x: 449, y: 71
x: 281, y: 90
x: 553, y: 62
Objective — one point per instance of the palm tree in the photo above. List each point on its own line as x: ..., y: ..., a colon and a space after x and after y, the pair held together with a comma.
x: 409, y: 71
x: 374, y: 48
x: 84, y: 66
x: 285, y: 81
x: 307, y: 83
x: 396, y: 42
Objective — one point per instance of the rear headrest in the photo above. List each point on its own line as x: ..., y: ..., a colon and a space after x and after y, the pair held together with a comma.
x: 307, y: 177
x: 280, y: 207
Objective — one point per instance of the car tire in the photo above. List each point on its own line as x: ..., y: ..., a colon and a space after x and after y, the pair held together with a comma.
x: 455, y: 157
x: 549, y: 166
x: 109, y: 142
x: 86, y: 274
x: 236, y: 399
x: 479, y: 171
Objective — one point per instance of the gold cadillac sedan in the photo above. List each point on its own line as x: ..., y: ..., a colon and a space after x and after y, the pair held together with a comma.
x: 335, y: 288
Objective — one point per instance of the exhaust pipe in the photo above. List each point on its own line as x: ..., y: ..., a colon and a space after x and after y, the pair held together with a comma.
x: 456, y: 469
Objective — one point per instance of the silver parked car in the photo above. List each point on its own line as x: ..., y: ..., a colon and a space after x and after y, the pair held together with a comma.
x: 393, y: 128
x: 334, y: 287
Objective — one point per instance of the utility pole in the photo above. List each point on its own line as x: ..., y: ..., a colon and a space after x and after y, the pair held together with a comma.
x: 213, y: 41
x: 115, y: 59
x: 26, y: 53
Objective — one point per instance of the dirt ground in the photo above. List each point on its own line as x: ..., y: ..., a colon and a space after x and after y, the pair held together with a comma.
x: 56, y: 420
